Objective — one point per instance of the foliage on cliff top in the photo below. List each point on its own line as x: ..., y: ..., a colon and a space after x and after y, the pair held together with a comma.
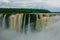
x: 23, y: 10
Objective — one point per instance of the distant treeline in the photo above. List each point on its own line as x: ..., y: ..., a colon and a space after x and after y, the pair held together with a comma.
x: 23, y: 10
x: 55, y: 12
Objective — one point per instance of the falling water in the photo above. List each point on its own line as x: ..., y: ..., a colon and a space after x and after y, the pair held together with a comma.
x: 24, y: 24
x: 37, y: 23
x: 1, y: 20
x: 20, y: 22
x: 28, y: 31
x: 51, y: 31
x: 3, y: 23
x: 16, y: 22
x: 12, y: 22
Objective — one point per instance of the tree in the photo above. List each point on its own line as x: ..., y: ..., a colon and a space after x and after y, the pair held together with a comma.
x: 22, y: 10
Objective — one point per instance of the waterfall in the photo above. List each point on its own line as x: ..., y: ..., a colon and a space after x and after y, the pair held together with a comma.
x: 28, y: 24
x: 29, y: 30
x: 37, y: 23
x: 16, y: 22
x: 12, y: 22
x: 3, y: 22
x: 20, y: 22
x: 24, y: 23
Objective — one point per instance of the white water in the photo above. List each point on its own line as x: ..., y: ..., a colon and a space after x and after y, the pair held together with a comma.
x: 51, y: 32
x: 24, y: 24
x: 3, y: 22
x: 28, y: 31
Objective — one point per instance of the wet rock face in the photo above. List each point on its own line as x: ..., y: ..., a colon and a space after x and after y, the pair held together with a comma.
x: 1, y: 18
x: 32, y: 21
x: 32, y: 27
x: 32, y: 18
x: 7, y: 20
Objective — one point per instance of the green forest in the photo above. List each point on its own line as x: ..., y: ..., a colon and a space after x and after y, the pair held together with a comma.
x: 23, y: 10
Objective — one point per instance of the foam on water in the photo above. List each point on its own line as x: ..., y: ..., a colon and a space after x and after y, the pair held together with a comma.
x: 51, y: 32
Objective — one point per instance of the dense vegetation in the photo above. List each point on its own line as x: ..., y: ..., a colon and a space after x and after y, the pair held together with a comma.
x: 22, y: 10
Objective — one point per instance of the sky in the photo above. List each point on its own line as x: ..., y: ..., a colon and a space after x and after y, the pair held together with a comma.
x: 52, y: 5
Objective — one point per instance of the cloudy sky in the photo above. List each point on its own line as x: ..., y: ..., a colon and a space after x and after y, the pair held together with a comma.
x: 52, y: 5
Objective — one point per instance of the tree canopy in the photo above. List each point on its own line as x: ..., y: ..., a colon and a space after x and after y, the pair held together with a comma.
x: 23, y: 10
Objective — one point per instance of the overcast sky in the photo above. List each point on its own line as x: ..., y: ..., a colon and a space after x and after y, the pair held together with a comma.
x: 52, y: 5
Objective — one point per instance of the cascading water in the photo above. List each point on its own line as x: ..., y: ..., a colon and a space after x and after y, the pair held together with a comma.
x: 3, y: 22
x: 24, y: 23
x: 29, y: 30
x: 16, y: 21
x: 47, y: 34
x: 37, y: 26
x: 1, y: 17
x: 20, y: 22
x: 12, y: 22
